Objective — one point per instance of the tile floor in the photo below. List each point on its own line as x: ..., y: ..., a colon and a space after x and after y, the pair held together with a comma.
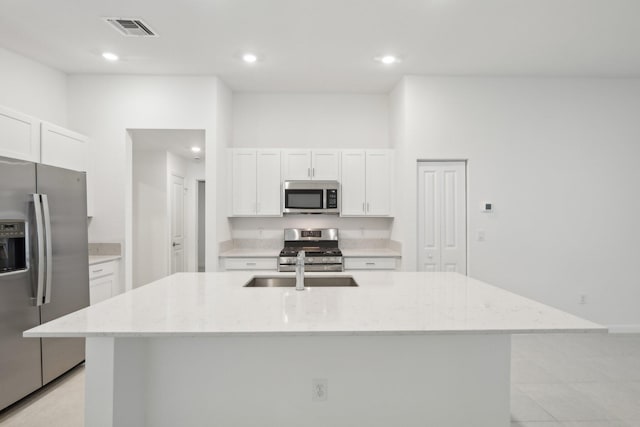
x: 589, y: 380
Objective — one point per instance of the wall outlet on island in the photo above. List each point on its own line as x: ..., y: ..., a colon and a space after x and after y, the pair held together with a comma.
x: 319, y: 390
x: 583, y: 299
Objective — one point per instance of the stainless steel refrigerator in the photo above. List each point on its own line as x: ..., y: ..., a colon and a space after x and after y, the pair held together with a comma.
x: 44, y: 271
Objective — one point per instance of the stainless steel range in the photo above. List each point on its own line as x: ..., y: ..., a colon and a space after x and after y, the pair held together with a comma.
x: 319, y: 244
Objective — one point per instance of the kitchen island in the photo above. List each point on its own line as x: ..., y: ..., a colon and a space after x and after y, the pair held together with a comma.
x: 401, y: 349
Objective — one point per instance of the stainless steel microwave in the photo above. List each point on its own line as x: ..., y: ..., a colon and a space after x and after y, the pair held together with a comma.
x: 311, y: 197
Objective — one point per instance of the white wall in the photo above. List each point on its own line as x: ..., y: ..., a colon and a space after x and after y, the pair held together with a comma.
x: 150, y: 220
x: 32, y: 88
x: 558, y: 158
x: 104, y: 107
x: 291, y: 120
x: 312, y: 120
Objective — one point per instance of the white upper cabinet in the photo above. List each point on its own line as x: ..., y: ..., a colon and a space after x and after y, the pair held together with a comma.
x: 255, y: 182
x: 353, y: 183
x: 19, y: 136
x: 243, y: 191
x: 63, y: 148
x: 311, y: 164
x: 296, y: 165
x: 325, y: 165
x: 268, y: 183
x: 366, y: 182
x: 378, y: 182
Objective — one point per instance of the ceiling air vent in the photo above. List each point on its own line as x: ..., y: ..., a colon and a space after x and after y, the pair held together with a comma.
x: 131, y: 27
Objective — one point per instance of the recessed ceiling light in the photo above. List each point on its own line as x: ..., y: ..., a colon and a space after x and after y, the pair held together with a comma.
x: 195, y: 149
x: 387, y: 59
x: 249, y: 58
x: 110, y: 56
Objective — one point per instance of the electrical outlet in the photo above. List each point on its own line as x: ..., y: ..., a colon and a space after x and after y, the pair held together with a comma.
x: 583, y: 299
x: 480, y: 235
x: 319, y: 390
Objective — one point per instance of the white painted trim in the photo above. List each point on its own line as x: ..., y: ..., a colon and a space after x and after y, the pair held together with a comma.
x: 624, y: 329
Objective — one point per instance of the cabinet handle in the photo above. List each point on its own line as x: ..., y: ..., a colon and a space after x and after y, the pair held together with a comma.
x: 313, y: 172
x: 370, y: 263
x: 363, y: 209
x: 97, y: 271
x: 250, y: 263
x: 309, y: 172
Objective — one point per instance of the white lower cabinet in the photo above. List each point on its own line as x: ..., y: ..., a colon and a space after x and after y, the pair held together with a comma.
x: 103, y: 281
x: 361, y: 263
x: 250, y: 263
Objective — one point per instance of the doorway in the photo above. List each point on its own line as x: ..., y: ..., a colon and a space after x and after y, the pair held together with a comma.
x: 442, y: 216
x: 164, y: 176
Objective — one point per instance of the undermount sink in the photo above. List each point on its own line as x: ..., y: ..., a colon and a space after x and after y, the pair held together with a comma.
x: 284, y: 281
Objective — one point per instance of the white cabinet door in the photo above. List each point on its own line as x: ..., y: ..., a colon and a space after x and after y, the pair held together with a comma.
x: 243, y: 187
x: 353, y: 183
x: 378, y: 182
x: 63, y: 148
x: 296, y: 165
x: 360, y: 263
x: 268, y: 183
x: 101, y: 289
x: 325, y: 165
x: 250, y: 263
x: 19, y: 136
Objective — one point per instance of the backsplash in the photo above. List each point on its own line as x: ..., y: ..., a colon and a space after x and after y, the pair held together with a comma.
x: 105, y: 249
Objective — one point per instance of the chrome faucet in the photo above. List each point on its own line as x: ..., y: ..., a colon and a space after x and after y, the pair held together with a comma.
x: 300, y: 271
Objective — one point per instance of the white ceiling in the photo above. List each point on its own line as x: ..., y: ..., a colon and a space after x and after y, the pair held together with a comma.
x: 328, y: 45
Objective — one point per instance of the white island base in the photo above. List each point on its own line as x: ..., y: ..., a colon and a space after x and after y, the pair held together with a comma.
x: 439, y: 380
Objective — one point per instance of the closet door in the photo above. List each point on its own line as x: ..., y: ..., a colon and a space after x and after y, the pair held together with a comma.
x: 442, y: 221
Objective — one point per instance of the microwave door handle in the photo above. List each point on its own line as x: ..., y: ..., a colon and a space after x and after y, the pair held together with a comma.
x: 49, y: 254
x: 37, y: 207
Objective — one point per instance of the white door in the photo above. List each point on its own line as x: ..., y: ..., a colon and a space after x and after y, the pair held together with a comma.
x: 325, y: 165
x: 352, y: 185
x: 296, y: 164
x: 177, y: 224
x: 442, y: 217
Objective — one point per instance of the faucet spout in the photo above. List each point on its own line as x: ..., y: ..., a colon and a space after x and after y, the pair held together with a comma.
x: 300, y: 271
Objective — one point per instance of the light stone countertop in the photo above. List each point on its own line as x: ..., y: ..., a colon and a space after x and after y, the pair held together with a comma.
x: 99, y: 259
x: 386, y: 302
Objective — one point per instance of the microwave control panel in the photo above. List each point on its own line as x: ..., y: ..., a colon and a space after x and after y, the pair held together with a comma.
x: 332, y: 199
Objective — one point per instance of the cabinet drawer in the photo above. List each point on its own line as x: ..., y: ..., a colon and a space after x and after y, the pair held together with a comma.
x: 102, y: 269
x: 369, y: 263
x: 250, y: 263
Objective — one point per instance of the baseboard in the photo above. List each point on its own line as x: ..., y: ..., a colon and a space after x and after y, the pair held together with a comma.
x: 624, y: 329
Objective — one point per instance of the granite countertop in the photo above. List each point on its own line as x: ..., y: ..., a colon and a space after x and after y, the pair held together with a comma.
x: 389, y: 302
x: 98, y: 259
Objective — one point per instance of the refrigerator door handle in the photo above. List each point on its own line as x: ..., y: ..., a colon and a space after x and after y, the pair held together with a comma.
x: 49, y: 254
x: 37, y: 207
